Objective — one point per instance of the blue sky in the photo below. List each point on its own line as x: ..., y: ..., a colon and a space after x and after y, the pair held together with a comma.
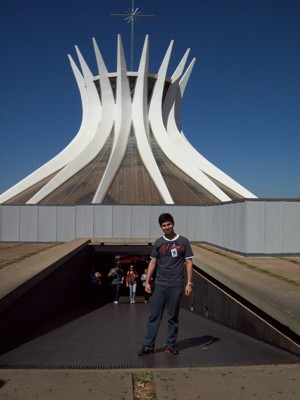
x: 241, y: 108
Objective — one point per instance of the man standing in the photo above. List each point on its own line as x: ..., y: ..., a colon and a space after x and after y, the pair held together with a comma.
x: 170, y: 254
x: 117, y: 276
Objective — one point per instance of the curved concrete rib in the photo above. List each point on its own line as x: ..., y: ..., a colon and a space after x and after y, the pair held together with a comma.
x: 107, y: 95
x: 86, y: 154
x: 140, y: 123
x: 122, y: 127
x: 170, y: 98
x: 66, y: 155
x: 177, y: 96
x: 162, y: 137
x: 185, y: 146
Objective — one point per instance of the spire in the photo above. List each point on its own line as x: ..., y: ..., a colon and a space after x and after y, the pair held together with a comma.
x: 131, y: 16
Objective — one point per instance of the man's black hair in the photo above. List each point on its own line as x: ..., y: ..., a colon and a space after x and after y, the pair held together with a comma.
x: 166, y: 217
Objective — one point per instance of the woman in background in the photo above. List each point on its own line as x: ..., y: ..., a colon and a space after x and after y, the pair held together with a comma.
x: 131, y: 283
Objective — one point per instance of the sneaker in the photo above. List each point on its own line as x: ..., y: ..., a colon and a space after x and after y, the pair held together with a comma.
x: 116, y: 302
x: 172, y: 350
x: 145, y: 351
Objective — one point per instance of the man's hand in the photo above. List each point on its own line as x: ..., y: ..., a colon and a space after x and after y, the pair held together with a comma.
x: 188, y: 290
x: 151, y: 269
x: 189, y: 273
x: 148, y: 288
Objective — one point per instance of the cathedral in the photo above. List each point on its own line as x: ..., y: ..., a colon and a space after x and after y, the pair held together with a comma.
x: 130, y: 148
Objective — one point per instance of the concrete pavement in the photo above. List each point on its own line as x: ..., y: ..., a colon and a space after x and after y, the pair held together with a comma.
x: 276, y: 382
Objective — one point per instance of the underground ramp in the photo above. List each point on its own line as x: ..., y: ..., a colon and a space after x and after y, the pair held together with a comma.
x: 106, y: 336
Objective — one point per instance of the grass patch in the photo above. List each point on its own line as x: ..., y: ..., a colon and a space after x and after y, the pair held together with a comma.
x: 10, y: 246
x: 289, y: 260
x: 22, y: 257
x: 143, y: 386
x: 253, y: 267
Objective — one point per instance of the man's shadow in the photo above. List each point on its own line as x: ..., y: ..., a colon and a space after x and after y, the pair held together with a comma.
x: 184, y: 344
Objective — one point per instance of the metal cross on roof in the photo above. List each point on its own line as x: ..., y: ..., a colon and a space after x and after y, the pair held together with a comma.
x: 133, y: 16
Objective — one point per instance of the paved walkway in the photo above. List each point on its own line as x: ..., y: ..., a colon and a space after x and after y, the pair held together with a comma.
x: 214, y: 361
x: 109, y: 336
x: 223, y: 383
x: 83, y: 355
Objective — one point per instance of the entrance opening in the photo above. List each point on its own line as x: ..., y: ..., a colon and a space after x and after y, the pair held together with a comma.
x: 105, y: 257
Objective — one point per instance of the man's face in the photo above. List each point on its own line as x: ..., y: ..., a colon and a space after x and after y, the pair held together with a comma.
x: 167, y: 228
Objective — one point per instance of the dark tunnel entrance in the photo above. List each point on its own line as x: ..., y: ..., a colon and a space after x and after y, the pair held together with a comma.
x: 66, y: 293
x: 105, y: 257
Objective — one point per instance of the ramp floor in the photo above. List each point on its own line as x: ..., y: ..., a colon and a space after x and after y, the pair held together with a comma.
x: 108, y: 336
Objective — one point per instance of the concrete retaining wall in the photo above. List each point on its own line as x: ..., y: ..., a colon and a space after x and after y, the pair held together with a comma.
x: 210, y: 300
x: 246, y: 227
x: 50, y: 290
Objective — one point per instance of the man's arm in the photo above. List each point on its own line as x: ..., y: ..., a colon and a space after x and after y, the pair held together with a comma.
x: 150, y: 272
x: 189, y: 275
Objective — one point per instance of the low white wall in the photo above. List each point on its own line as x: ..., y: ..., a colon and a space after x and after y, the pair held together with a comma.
x: 247, y: 227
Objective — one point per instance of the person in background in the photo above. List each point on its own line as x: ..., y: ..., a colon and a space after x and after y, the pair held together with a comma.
x: 94, y: 283
x: 117, y: 276
x: 98, y: 277
x: 131, y: 283
x: 171, y: 254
